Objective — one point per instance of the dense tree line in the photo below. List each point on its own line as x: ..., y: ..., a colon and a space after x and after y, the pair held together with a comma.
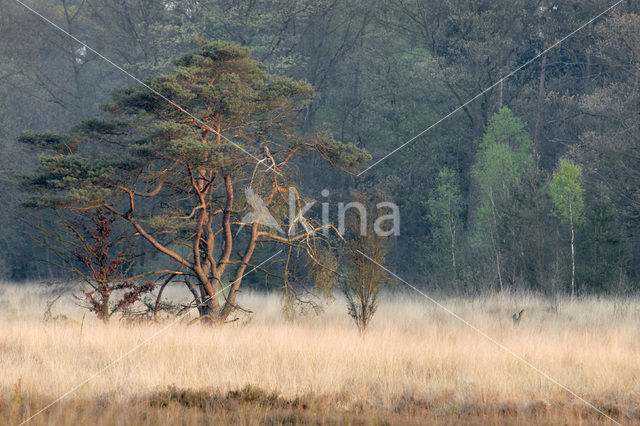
x: 535, y: 184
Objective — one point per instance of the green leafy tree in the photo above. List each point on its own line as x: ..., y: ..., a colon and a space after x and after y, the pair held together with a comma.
x: 567, y: 192
x: 446, y: 206
x: 167, y: 169
x: 504, y: 156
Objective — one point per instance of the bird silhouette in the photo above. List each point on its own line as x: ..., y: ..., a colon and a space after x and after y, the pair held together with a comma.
x: 517, y: 317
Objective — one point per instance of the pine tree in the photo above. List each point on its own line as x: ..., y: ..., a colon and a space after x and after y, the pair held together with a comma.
x: 170, y: 164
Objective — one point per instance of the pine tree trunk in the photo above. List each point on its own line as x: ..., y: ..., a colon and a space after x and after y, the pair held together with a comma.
x: 536, y: 134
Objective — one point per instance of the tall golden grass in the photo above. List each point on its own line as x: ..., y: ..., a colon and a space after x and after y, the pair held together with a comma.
x: 413, y: 351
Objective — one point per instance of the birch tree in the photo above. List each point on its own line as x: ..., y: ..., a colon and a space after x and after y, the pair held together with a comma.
x: 567, y: 192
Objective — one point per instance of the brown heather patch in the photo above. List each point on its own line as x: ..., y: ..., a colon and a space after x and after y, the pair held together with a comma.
x: 253, y: 406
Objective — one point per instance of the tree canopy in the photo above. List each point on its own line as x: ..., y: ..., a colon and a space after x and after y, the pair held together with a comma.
x: 376, y: 73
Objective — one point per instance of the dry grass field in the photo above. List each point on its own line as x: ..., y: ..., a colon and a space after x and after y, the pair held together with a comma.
x: 416, y: 364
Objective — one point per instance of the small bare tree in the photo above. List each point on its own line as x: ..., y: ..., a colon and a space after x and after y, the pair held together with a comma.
x: 363, y: 280
x: 101, y: 270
